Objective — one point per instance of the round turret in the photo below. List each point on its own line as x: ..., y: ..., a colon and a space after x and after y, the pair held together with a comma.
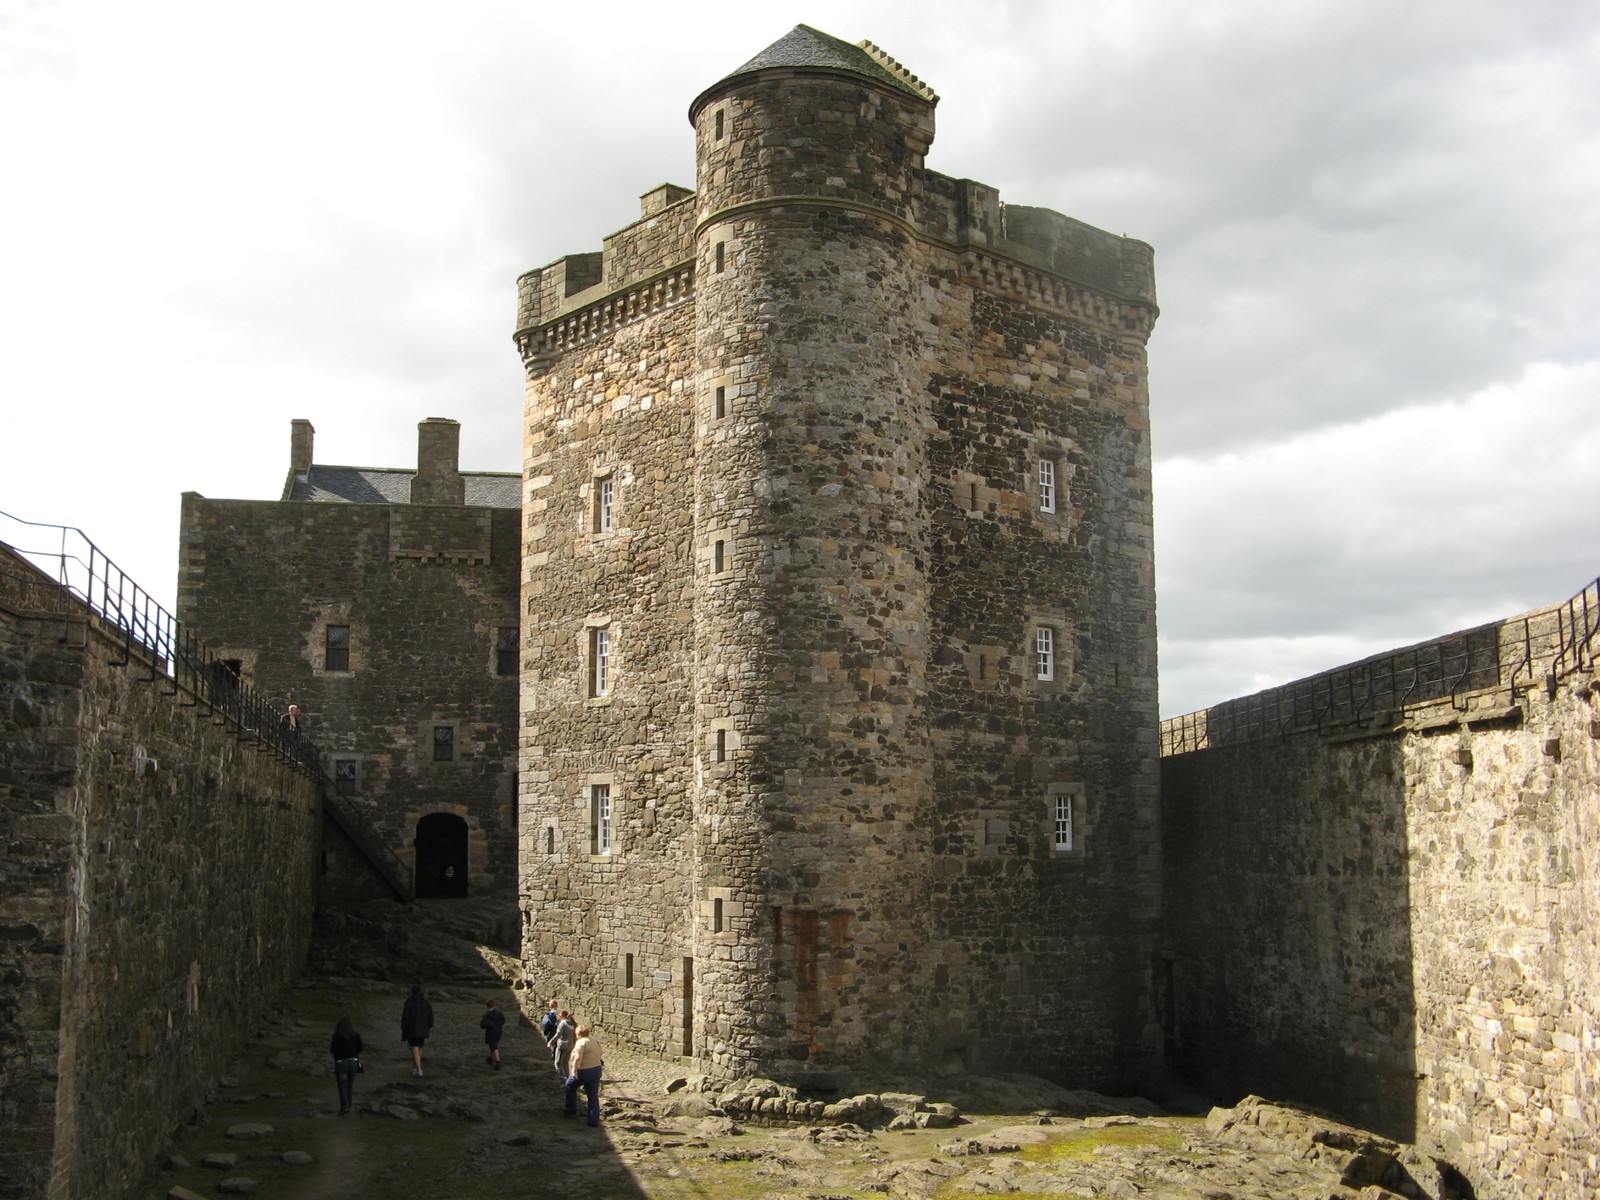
x: 811, y: 596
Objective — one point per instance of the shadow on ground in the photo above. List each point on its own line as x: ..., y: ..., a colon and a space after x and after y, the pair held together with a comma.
x: 465, y: 1131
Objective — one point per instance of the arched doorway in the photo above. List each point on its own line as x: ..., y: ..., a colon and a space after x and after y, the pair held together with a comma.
x: 441, y: 856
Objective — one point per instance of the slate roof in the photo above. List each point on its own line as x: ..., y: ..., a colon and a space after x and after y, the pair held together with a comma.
x: 806, y: 48
x: 389, y: 485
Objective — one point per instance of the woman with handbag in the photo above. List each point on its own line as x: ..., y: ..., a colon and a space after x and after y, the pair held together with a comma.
x: 346, y: 1051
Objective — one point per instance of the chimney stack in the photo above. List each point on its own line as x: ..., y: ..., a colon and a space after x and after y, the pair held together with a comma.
x: 438, y: 478
x: 300, y: 435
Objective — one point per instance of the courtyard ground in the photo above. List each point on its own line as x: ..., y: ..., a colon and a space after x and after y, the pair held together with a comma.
x: 467, y: 1132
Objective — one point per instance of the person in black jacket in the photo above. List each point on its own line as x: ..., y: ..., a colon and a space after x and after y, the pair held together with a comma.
x: 493, y: 1024
x: 346, y: 1051
x: 416, y: 1022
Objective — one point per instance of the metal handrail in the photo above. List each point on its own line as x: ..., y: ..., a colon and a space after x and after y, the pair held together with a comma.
x: 1581, y: 623
x: 152, y: 635
x: 1562, y: 636
x: 74, y: 567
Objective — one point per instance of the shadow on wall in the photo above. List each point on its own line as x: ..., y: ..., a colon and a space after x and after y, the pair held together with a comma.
x: 1288, y: 929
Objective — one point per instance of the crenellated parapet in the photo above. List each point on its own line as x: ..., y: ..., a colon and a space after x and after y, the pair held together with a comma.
x: 1036, y: 256
x: 643, y: 268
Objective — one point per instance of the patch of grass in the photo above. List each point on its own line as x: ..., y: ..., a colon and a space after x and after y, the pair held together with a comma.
x: 957, y: 1190
x: 1081, y: 1144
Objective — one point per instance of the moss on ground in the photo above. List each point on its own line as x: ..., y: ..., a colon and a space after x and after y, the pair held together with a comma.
x: 1080, y: 1145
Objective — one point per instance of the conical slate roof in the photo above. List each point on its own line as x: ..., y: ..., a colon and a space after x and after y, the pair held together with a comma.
x: 805, y: 48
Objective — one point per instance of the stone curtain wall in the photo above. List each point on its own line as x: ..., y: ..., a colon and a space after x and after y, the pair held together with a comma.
x: 1289, y: 889
x: 1405, y: 929
x: 39, y: 841
x: 832, y: 772
x: 424, y: 590
x: 158, y: 888
x: 1503, y: 823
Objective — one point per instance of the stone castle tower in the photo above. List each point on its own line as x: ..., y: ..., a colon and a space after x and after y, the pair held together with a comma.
x: 839, y: 727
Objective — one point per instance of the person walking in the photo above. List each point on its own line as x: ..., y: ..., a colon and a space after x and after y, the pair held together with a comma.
x: 586, y: 1063
x: 493, y: 1024
x: 346, y: 1050
x: 560, y: 1042
x: 416, y: 1022
x: 551, y: 1018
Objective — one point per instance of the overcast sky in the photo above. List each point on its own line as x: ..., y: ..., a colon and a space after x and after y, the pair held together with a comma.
x: 1374, y: 381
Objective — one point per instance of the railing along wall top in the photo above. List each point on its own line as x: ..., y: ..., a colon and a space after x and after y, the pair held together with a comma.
x: 1552, y: 642
x: 83, y: 578
x: 74, y: 575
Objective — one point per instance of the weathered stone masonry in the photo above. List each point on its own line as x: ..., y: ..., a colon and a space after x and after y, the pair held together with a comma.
x: 157, y: 879
x: 424, y: 585
x: 1398, y: 919
x: 783, y: 471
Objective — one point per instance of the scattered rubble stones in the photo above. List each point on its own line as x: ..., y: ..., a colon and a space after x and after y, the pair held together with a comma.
x: 1014, y: 1133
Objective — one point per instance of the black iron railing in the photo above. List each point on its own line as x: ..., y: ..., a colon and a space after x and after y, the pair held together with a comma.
x: 152, y: 639
x: 71, y: 575
x: 1545, y: 645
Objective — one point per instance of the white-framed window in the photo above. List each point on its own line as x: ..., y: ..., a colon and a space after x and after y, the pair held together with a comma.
x: 1044, y: 653
x: 600, y: 661
x: 1047, y: 485
x: 605, y: 496
x: 1061, y: 820
x: 600, y: 817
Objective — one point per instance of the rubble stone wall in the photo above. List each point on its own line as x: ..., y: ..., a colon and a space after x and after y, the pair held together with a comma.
x: 426, y: 592
x: 1404, y: 927
x: 159, y: 877
x: 607, y: 926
